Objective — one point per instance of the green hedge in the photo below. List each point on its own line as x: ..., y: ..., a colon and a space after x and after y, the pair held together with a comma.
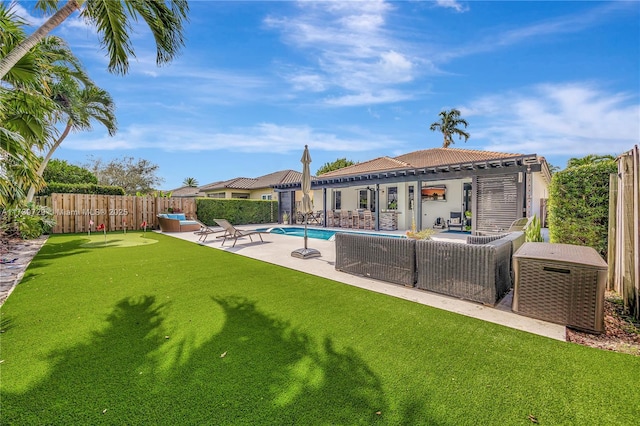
x: 81, y: 188
x: 579, y: 205
x: 238, y: 212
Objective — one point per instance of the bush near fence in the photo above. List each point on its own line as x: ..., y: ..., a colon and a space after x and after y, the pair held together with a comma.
x: 80, y: 188
x: 579, y: 205
x: 238, y: 212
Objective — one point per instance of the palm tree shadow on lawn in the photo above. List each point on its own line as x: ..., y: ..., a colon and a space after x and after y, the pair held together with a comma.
x: 255, y: 370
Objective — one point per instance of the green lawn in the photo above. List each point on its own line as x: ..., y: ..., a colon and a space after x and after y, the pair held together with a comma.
x: 177, y: 333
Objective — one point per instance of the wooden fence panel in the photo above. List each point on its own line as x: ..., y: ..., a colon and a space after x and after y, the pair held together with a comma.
x: 77, y: 213
x: 626, y: 233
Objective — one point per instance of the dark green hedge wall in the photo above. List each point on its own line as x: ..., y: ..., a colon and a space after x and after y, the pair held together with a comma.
x: 80, y: 188
x: 238, y: 212
x: 579, y: 205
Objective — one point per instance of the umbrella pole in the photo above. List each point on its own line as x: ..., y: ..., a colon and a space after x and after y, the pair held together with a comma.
x: 306, y: 215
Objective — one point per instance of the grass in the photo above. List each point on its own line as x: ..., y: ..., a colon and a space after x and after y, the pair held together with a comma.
x: 177, y: 333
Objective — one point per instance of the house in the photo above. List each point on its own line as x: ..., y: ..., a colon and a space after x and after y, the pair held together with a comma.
x: 260, y: 188
x: 495, y: 188
x: 186, y: 192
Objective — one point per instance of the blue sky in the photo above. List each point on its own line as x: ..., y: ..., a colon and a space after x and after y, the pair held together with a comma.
x: 257, y: 81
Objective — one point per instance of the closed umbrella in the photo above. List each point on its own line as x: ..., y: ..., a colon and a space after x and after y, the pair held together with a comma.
x: 307, y: 208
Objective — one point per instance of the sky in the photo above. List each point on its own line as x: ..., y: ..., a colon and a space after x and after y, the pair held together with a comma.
x: 257, y: 81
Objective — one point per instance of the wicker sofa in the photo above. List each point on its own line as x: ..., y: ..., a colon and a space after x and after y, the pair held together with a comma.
x: 382, y: 258
x: 478, y: 272
x: 177, y: 222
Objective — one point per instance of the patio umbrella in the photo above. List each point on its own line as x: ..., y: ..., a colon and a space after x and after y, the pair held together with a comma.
x: 307, y: 209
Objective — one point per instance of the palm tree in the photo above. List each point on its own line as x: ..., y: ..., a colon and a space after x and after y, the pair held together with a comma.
x: 113, y: 20
x: 190, y: 182
x: 80, y: 106
x: 449, y: 125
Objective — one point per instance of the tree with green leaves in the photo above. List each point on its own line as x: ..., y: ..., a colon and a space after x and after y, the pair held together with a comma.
x: 79, y: 106
x: 589, y: 159
x: 131, y: 174
x: 190, y: 182
x: 26, y: 107
x: 60, y: 171
x: 449, y: 125
x: 113, y: 21
x: 340, y: 163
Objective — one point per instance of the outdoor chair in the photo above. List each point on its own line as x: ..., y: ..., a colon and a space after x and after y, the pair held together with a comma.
x: 455, y: 221
x: 520, y: 224
x: 345, y: 219
x: 205, y: 231
x: 367, y: 220
x: 231, y: 232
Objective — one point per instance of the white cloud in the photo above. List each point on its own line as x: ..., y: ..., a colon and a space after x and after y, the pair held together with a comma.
x: 452, y: 4
x: 351, y: 49
x: 261, y: 138
x: 567, y: 24
x: 573, y: 119
x: 363, y: 98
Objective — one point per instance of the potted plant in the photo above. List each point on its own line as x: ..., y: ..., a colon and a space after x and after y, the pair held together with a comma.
x: 467, y: 222
x: 414, y: 234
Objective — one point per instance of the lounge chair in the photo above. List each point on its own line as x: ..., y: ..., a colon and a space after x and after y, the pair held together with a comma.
x: 520, y: 224
x: 233, y: 233
x: 205, y: 231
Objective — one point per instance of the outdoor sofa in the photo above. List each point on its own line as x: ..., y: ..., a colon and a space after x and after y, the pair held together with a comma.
x: 477, y: 272
x: 177, y: 222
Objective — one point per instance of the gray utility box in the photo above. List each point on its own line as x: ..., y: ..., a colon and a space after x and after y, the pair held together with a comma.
x: 560, y: 283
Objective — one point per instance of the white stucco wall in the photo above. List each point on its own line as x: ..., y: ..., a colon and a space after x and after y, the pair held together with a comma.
x: 539, y: 190
x: 454, y: 202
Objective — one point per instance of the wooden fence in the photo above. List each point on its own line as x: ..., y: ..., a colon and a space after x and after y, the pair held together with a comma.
x: 624, y: 231
x: 75, y: 212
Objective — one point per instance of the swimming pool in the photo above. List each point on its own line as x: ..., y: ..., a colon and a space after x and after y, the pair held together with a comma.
x: 320, y: 234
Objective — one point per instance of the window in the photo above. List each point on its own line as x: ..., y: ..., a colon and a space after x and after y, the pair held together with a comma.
x: 239, y: 195
x: 392, y: 198
x: 362, y: 195
x: 266, y: 196
x: 337, y: 200
x: 216, y: 195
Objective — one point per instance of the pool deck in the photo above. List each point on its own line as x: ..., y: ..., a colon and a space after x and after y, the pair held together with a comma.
x: 277, y: 249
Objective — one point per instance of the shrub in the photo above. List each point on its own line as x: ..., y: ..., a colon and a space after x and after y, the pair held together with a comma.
x: 27, y: 221
x: 533, y: 233
x: 86, y: 188
x: 238, y: 212
x: 579, y: 205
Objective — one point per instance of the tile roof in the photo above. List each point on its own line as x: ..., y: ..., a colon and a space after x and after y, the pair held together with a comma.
x: 445, y: 156
x: 186, y: 191
x: 375, y: 165
x: 423, y: 158
x: 280, y: 177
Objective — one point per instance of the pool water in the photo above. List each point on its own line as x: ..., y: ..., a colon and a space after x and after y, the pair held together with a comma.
x: 320, y: 234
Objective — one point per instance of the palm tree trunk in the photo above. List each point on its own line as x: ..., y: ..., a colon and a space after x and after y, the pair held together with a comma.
x: 43, y: 165
x: 27, y: 44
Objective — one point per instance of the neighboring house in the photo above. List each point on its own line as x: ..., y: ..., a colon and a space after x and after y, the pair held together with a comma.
x: 187, y: 192
x: 422, y: 186
x: 260, y: 188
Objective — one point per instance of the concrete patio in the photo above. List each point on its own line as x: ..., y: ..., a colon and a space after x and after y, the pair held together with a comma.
x: 277, y: 249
